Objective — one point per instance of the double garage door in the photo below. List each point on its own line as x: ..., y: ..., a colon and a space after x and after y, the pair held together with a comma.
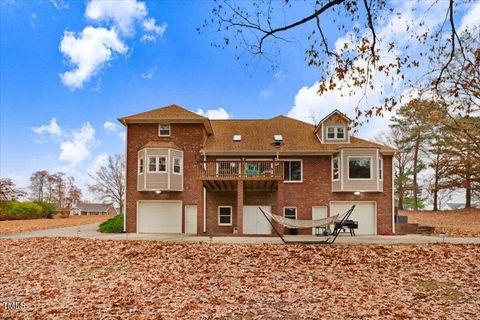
x: 364, y: 213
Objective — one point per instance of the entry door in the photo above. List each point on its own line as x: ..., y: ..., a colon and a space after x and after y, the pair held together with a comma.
x: 191, y: 219
x: 318, y: 213
x: 254, y: 222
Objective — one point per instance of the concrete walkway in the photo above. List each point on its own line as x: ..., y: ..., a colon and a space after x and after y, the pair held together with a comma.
x: 89, y: 231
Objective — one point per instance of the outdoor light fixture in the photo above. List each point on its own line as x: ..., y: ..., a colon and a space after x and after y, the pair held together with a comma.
x: 357, y: 193
x: 158, y: 191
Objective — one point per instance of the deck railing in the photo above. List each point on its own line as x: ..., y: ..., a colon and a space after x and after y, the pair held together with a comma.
x: 241, y: 170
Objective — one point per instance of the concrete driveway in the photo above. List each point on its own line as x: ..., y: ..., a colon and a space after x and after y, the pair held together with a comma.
x: 90, y: 231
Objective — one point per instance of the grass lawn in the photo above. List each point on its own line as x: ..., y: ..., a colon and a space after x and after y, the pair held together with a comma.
x: 15, y: 226
x: 81, y: 278
x: 463, y: 222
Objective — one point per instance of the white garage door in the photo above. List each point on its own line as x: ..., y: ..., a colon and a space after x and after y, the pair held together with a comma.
x: 254, y: 222
x: 364, y: 213
x: 159, y: 217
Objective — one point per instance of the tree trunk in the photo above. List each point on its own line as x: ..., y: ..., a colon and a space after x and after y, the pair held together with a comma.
x: 468, y: 181
x: 435, y: 187
x: 415, y: 164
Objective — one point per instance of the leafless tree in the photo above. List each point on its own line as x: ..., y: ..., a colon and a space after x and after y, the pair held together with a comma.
x: 109, y: 181
x: 264, y: 27
x: 9, y: 191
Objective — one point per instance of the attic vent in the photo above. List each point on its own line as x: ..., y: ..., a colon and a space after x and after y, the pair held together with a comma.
x: 278, y: 138
x: 237, y: 137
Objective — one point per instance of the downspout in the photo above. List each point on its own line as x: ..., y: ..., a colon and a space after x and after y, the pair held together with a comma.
x: 125, y: 203
x: 204, y: 196
x: 204, y: 210
x: 393, y: 194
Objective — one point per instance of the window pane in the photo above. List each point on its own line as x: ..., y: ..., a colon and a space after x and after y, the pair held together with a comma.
x: 286, y: 170
x: 340, y: 133
x: 225, y: 211
x: 335, y: 169
x: 176, y: 165
x: 141, y: 165
x: 162, y: 164
x: 359, y: 168
x: 152, y: 164
x: 290, y: 213
x: 225, y: 219
x: 331, y: 133
x: 296, y: 171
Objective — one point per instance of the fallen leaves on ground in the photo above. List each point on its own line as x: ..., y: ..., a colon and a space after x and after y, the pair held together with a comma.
x: 15, y: 226
x: 93, y: 279
x: 463, y: 222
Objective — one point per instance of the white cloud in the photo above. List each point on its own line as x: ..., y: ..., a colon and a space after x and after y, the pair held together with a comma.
x: 98, y: 162
x: 150, y: 25
x: 122, y: 135
x: 265, y: 94
x: 150, y: 73
x: 52, y: 128
x: 77, y: 148
x: 110, y: 126
x: 59, y: 4
x: 88, y: 52
x: 471, y: 19
x: 122, y: 14
x: 219, y: 113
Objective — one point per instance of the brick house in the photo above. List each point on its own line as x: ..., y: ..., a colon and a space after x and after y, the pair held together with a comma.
x: 189, y: 174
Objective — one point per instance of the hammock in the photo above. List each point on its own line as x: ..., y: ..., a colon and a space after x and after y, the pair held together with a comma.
x: 292, y: 223
x: 301, y: 224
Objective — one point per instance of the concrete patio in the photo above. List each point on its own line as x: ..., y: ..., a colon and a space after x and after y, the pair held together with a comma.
x: 89, y: 231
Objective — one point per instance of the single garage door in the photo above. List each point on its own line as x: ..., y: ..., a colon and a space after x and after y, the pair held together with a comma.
x: 254, y: 222
x: 364, y: 213
x: 159, y: 217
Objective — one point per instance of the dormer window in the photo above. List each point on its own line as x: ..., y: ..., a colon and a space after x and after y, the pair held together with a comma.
x: 336, y: 133
x: 164, y: 130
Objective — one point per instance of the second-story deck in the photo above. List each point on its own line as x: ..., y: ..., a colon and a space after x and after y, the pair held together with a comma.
x: 258, y: 175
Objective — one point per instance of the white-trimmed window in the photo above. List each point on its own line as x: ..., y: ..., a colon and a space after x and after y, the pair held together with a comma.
x: 152, y: 164
x: 336, y: 133
x: 224, y: 215
x: 292, y: 171
x: 360, y: 168
x: 290, y: 212
x: 164, y: 129
x: 380, y: 168
x: 330, y: 132
x: 140, y: 165
x: 177, y: 165
x: 157, y: 164
x: 335, y: 169
x: 340, y: 133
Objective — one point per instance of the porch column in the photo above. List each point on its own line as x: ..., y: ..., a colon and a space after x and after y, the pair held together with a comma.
x: 240, y: 207
x: 280, y: 203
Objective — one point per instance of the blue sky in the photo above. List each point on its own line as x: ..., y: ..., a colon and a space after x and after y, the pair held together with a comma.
x: 59, y: 104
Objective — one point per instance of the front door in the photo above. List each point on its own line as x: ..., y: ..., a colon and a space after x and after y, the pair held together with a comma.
x: 254, y: 222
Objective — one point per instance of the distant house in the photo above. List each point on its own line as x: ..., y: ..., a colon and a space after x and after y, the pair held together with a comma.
x: 93, y: 209
x: 454, y: 205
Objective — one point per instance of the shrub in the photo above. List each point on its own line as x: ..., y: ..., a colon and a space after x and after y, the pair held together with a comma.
x: 22, y: 210
x: 113, y: 225
x: 48, y: 208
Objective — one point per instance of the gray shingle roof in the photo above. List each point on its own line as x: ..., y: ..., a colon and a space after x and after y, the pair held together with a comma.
x: 93, y: 207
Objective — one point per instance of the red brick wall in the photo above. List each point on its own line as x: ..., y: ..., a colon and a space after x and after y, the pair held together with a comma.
x: 314, y: 191
x: 190, y: 138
